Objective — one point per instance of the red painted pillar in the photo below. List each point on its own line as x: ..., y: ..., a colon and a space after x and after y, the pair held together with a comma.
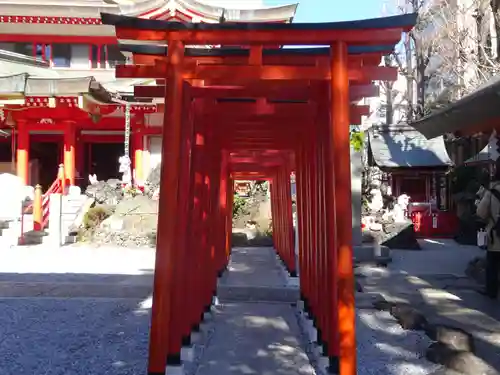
x: 314, y: 231
x: 166, y: 249
x: 279, y: 191
x: 274, y: 215
x: 213, y: 214
x: 223, y: 212
x: 69, y: 152
x: 196, y: 244
x: 339, y: 128
x: 229, y: 217
x: 331, y: 246
x: 289, y: 225
x: 182, y: 271
x: 281, y: 216
x: 307, y: 226
x: 301, y: 222
x: 323, y: 217
x: 206, y: 229
x: 23, y: 150
x: 318, y: 248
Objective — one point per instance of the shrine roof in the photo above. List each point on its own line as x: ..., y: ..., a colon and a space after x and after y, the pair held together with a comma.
x: 401, y: 146
x: 404, y: 21
x: 150, y: 49
x: 489, y: 154
x: 479, y: 107
x: 15, y: 64
x: 24, y: 85
x: 165, y: 8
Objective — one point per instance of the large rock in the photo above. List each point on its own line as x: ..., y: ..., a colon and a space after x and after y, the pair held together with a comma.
x: 461, y: 361
x: 106, y: 192
x: 408, y: 317
x: 453, y: 337
x: 399, y: 236
x: 152, y: 183
x: 138, y: 215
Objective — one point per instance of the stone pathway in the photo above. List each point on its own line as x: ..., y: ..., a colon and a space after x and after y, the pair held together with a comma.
x: 254, y: 338
x: 433, y: 281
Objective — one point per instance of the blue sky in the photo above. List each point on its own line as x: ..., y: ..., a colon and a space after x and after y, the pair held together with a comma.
x: 333, y: 10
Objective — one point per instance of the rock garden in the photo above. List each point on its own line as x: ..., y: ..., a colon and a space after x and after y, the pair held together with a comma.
x: 127, y: 216
x: 123, y: 216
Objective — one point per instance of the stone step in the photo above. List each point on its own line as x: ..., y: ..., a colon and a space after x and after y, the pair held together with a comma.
x: 255, y: 293
x: 33, y: 238
x: 74, y: 290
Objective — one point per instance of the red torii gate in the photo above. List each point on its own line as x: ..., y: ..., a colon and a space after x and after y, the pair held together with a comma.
x: 200, y: 132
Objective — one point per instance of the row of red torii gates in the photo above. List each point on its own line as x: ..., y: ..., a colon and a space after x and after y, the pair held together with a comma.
x: 256, y: 113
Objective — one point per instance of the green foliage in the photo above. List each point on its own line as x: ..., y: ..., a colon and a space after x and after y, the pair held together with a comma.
x: 357, y: 140
x: 269, y: 231
x: 240, y: 206
x: 131, y: 191
x: 95, y: 216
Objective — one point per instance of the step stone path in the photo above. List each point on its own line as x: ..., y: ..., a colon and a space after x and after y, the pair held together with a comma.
x: 254, y: 337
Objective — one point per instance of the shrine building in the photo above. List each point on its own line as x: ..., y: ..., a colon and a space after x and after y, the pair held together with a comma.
x: 59, y: 99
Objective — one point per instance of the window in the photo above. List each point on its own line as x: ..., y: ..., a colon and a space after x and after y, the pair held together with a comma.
x: 9, y: 47
x: 43, y: 52
x: 61, y: 55
x: 98, y: 57
x: 113, y: 55
x: 23, y: 48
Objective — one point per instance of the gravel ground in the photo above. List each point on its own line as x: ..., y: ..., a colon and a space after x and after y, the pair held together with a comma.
x: 111, y: 337
x: 73, y: 337
x: 384, y: 348
x: 87, y: 336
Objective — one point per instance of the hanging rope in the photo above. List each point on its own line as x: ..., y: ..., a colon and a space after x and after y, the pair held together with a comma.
x: 127, y: 130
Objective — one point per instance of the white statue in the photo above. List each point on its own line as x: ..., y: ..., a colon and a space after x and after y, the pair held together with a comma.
x: 93, y: 179
x: 400, y: 208
x: 377, y: 202
x: 125, y: 163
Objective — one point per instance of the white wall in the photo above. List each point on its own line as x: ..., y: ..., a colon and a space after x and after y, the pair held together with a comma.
x: 154, y: 152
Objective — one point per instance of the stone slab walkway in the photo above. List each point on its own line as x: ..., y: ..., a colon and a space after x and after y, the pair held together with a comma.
x: 259, y: 337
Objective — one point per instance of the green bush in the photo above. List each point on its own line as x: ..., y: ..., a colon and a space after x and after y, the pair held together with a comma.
x: 240, y: 206
x: 95, y: 216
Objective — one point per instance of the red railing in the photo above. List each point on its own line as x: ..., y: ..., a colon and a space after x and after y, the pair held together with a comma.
x: 41, y: 203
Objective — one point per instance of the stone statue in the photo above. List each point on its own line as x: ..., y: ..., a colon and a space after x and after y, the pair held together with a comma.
x: 93, y: 179
x: 377, y: 202
x: 400, y: 209
x: 124, y: 168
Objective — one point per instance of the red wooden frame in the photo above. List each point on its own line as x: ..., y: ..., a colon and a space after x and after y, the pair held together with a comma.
x: 316, y: 132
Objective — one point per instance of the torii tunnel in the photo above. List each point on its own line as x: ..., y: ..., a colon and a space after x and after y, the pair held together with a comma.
x: 246, y: 110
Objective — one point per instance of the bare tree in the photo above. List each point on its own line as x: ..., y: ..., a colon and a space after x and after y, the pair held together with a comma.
x: 465, y: 46
x: 453, y: 49
x: 413, y: 56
